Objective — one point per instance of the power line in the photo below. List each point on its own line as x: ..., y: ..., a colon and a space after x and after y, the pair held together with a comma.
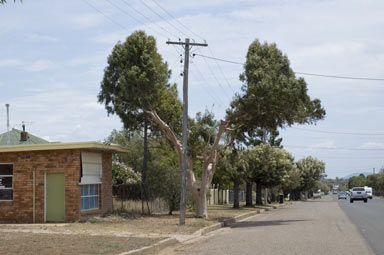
x: 161, y: 17
x: 337, y: 133
x: 214, y: 76
x: 167, y: 12
x: 341, y: 77
x: 221, y: 71
x: 218, y: 100
x: 134, y: 18
x: 150, y: 20
x: 106, y: 16
x: 311, y: 74
x: 333, y: 148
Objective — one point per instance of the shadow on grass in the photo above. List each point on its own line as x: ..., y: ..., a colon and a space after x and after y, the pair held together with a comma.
x: 247, y: 224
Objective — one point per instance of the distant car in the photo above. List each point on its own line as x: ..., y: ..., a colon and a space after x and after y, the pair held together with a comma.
x: 369, y: 191
x: 317, y: 195
x: 342, y: 195
x: 358, y: 193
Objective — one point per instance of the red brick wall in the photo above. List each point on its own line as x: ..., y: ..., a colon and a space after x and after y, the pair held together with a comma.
x: 20, y: 210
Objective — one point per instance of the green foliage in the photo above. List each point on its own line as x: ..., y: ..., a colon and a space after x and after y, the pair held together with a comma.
x: 268, y: 165
x: 122, y: 174
x: 136, y: 80
x: 311, y: 170
x: 232, y: 165
x: 319, y: 185
x: 272, y: 96
x: 292, y: 180
x: 357, y: 181
x: 131, y: 140
x: 163, y: 176
x: 375, y: 181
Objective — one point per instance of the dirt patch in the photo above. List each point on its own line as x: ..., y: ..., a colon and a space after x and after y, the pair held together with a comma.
x: 30, y: 243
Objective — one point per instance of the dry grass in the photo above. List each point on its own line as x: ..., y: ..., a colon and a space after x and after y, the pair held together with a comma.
x: 47, y: 244
x: 111, y: 234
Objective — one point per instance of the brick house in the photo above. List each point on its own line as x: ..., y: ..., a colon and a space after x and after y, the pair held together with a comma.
x: 55, y: 182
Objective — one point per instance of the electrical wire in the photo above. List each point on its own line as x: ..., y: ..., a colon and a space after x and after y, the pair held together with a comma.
x: 217, y: 100
x: 333, y: 148
x: 136, y: 19
x: 311, y: 74
x: 150, y: 20
x: 106, y: 16
x: 214, y: 76
x: 221, y: 71
x: 338, y: 133
x: 179, y: 22
x: 161, y: 17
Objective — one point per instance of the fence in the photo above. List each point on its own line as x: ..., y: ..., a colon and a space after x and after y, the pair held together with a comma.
x: 127, y: 197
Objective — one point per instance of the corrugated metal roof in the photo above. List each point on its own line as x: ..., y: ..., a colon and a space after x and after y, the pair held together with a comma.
x: 15, y: 138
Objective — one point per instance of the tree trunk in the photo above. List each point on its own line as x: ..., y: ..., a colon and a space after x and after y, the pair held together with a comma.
x: 258, y: 193
x: 248, y: 197
x: 209, y: 162
x: 201, y: 205
x: 236, y: 203
x: 266, y: 195
x: 145, y: 165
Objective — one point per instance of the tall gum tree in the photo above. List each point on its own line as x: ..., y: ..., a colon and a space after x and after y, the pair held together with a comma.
x: 135, y: 87
x: 271, y: 96
x: 208, y: 159
x: 136, y: 81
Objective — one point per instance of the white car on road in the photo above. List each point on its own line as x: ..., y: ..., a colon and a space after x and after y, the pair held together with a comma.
x: 358, y: 193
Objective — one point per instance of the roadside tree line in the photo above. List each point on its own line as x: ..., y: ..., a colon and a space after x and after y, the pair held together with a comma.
x: 375, y: 181
x: 136, y: 87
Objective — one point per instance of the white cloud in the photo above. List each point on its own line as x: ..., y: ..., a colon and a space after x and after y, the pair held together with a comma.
x: 110, y: 38
x: 372, y: 145
x: 41, y: 65
x: 87, y: 20
x: 41, y: 38
x: 10, y: 62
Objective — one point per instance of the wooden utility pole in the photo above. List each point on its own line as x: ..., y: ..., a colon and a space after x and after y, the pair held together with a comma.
x: 187, y: 44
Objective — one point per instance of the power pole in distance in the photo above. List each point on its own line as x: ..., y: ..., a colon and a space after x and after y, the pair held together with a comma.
x: 187, y: 44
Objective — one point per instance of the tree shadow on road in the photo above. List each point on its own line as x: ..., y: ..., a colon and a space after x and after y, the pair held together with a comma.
x: 247, y: 224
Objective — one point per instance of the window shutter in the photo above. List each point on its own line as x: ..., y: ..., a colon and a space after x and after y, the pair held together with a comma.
x: 92, y: 168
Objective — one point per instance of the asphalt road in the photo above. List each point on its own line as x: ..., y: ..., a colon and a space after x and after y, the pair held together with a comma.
x: 316, y: 227
x: 369, y: 219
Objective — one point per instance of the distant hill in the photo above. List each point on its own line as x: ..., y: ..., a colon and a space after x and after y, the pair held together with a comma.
x: 356, y: 174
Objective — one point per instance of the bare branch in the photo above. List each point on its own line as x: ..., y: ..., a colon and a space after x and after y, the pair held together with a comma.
x: 167, y: 131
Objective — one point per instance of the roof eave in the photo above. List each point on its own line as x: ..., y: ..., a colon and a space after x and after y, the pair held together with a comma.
x: 64, y: 146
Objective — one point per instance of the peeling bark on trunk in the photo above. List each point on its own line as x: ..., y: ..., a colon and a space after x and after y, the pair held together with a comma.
x: 209, y: 162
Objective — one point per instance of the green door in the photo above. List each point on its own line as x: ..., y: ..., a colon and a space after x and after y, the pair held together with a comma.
x: 55, y: 197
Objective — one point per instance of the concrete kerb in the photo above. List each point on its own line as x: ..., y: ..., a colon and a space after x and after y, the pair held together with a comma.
x: 172, y: 241
x: 153, y: 248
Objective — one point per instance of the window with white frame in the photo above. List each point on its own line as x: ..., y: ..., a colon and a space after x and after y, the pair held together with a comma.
x: 89, y: 196
x: 6, y: 182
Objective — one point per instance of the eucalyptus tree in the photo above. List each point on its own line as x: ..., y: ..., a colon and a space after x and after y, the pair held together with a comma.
x: 136, y: 81
x: 268, y: 166
x: 311, y: 170
x: 233, y: 165
x: 271, y: 96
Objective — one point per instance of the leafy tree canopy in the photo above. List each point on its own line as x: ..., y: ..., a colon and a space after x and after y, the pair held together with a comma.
x: 136, y: 80
x: 311, y: 170
x: 268, y: 165
x: 272, y: 97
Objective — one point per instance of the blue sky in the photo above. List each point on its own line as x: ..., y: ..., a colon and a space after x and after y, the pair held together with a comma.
x: 53, y: 54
